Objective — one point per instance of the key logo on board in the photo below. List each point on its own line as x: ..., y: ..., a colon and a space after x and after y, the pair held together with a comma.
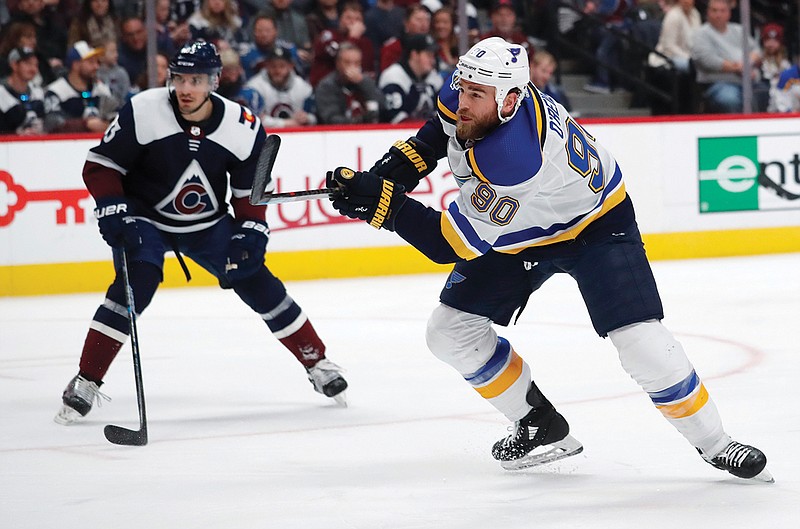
x: 749, y: 173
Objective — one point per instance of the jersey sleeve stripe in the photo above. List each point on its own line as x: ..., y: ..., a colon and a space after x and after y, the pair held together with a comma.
x: 445, y: 113
x: 99, y: 159
x: 452, y: 237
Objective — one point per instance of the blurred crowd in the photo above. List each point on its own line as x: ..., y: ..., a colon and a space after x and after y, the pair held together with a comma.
x: 69, y: 65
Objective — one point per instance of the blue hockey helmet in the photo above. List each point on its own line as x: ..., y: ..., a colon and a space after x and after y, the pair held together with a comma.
x: 197, y: 56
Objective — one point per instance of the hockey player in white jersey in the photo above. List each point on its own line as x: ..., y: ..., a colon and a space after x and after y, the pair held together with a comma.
x: 160, y: 177
x: 538, y: 195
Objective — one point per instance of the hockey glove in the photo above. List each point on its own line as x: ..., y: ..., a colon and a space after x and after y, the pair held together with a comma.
x: 406, y: 163
x: 116, y: 224
x: 366, y: 196
x: 246, y: 250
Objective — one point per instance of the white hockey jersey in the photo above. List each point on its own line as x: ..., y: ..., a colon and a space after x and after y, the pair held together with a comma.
x: 536, y: 180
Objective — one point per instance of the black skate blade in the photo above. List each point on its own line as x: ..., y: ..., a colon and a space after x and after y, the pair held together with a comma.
x: 123, y: 436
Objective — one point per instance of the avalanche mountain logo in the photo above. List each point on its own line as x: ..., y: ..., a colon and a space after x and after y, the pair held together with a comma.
x: 192, y: 198
x: 749, y: 173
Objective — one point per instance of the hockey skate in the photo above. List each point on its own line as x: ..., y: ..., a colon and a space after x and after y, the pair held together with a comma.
x: 741, y: 460
x: 540, y: 437
x: 326, y: 377
x: 78, y: 398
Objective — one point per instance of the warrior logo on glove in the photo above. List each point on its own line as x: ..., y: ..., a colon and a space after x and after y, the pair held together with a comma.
x: 366, y: 196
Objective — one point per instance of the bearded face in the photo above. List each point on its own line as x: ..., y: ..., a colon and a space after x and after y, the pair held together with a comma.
x: 477, y: 111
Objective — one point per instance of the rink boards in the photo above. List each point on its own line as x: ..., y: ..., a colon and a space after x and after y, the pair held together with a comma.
x: 702, y: 187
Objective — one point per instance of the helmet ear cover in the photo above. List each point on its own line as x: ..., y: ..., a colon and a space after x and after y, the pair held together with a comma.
x: 497, y: 63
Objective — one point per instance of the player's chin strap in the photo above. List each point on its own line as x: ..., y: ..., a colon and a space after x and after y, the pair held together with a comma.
x: 173, y: 99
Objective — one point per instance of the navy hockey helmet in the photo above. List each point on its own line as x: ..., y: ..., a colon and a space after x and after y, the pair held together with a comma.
x: 197, y: 56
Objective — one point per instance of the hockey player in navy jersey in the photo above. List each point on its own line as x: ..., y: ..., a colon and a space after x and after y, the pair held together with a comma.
x: 538, y: 195
x: 160, y: 177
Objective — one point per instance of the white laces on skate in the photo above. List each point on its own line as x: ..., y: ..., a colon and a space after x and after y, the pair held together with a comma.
x: 90, y: 392
x: 742, y: 461
x: 734, y: 454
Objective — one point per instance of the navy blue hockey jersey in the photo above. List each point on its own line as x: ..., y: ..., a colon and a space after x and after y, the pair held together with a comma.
x: 176, y: 173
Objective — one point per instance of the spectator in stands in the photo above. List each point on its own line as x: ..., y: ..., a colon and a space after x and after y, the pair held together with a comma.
x: 443, y: 29
x: 96, y: 23
x: 503, y: 18
x: 51, y: 35
x: 542, y: 65
x: 79, y: 102
x: 473, y: 24
x: 410, y: 87
x: 681, y: 20
x: 384, y: 21
x: 132, y: 49
x: 605, y: 41
x: 217, y: 20
x: 231, y: 82
x: 23, y: 35
x: 324, y: 15
x: 265, y: 41
x: 182, y: 9
x: 162, y: 70
x: 717, y: 54
x: 351, y: 29
x: 774, y: 59
x: 170, y: 34
x: 292, y: 27
x: 21, y: 102
x: 112, y: 74
x: 288, y: 98
x: 347, y: 95
x: 417, y: 20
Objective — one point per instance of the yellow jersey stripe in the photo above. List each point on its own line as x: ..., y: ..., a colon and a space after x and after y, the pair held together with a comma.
x: 474, y: 165
x: 451, y: 236
x: 446, y: 111
x: 539, y: 110
x: 612, y: 200
x: 688, y: 407
x: 504, y: 380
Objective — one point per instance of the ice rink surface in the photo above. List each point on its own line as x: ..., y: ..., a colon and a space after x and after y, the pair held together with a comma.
x: 238, y: 438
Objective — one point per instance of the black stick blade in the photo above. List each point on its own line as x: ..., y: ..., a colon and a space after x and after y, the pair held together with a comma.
x: 123, y: 436
x: 263, y: 176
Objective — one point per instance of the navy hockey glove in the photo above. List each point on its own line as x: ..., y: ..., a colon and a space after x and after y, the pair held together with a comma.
x: 406, y: 163
x: 116, y: 224
x: 366, y: 196
x: 246, y: 250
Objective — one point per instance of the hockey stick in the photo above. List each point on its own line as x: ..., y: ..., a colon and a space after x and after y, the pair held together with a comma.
x: 266, y: 160
x: 117, y: 434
